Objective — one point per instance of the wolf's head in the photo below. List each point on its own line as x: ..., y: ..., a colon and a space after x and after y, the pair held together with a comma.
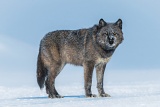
x: 109, y: 35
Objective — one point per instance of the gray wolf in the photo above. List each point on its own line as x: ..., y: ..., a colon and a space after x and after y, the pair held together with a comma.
x: 91, y: 47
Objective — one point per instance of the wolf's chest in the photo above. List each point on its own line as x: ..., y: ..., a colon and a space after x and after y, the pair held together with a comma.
x: 102, y: 60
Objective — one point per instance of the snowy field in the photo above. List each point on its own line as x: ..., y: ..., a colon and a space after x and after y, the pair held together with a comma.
x: 127, y: 89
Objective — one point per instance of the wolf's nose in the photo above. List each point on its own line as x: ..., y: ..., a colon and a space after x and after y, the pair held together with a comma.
x: 111, y: 40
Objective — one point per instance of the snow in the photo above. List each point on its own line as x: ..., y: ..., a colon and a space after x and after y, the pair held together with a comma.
x: 127, y: 89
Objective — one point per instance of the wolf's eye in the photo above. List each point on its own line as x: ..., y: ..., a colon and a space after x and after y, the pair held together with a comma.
x: 115, y: 33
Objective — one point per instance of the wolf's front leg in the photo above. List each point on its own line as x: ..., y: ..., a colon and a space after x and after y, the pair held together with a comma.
x: 100, y: 74
x: 88, y: 72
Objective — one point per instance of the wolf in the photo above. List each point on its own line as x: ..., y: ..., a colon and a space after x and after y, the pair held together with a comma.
x: 91, y: 48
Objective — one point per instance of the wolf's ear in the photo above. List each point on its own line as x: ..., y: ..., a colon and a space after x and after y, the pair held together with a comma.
x: 119, y: 23
x: 102, y: 23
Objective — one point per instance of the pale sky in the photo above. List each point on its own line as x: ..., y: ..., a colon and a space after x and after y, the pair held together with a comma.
x: 24, y: 23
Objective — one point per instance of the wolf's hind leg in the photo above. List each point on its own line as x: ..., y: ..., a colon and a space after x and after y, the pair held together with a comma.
x: 54, y: 70
x: 47, y: 87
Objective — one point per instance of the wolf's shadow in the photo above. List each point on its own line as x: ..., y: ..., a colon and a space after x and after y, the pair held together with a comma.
x: 45, y: 97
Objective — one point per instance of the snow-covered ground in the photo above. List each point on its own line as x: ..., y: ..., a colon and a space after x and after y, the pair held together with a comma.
x: 128, y: 89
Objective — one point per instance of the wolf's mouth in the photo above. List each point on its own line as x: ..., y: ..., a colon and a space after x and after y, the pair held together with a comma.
x: 109, y: 51
x: 111, y: 46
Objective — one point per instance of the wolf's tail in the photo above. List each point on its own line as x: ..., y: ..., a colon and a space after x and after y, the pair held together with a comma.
x: 41, y: 71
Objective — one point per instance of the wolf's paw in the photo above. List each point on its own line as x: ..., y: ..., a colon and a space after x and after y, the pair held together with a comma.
x: 55, y: 96
x: 104, y: 95
x: 91, y: 95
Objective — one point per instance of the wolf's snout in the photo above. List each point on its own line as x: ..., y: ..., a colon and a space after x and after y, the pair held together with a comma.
x: 111, y: 40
